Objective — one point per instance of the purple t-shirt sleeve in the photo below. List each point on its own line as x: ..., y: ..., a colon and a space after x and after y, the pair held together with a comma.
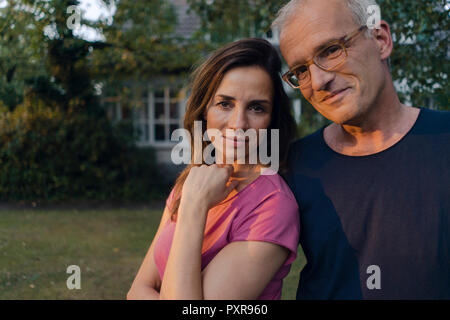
x: 275, y: 220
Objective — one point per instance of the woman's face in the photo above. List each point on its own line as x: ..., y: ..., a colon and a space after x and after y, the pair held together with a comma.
x: 243, y: 100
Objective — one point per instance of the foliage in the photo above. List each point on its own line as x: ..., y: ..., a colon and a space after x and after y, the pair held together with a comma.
x: 421, y: 32
x: 228, y: 20
x: 51, y: 156
x: 56, y: 142
x: 21, y: 52
x: 142, y: 43
x: 41, y: 57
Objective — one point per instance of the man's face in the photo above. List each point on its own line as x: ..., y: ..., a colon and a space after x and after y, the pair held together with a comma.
x: 347, y: 92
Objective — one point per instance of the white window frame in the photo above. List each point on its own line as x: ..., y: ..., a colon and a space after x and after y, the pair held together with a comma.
x: 166, y: 121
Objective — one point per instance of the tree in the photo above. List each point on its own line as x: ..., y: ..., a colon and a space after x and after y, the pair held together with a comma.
x: 228, y: 20
x: 57, y: 144
x: 21, y: 51
x: 52, y: 63
x: 143, y: 42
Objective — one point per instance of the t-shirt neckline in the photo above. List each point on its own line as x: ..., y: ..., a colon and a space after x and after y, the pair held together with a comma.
x: 245, y: 188
x: 373, y: 155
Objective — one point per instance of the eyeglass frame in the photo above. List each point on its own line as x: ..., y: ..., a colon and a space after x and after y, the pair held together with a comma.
x: 342, y: 42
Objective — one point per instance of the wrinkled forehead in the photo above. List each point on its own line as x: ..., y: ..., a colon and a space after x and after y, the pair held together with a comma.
x: 313, y: 24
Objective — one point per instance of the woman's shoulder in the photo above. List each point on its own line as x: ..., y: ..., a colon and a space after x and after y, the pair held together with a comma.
x: 267, y: 211
x: 275, y: 184
x: 269, y: 190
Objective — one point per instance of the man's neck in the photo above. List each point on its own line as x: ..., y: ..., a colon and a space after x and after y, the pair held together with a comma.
x: 382, y: 127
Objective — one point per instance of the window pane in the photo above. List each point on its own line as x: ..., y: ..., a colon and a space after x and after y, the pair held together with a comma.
x: 159, y: 110
x: 172, y: 128
x: 159, y: 94
x: 160, y: 132
x: 174, y: 109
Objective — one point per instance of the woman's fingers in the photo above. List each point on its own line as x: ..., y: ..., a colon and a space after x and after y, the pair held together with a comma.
x: 209, y: 184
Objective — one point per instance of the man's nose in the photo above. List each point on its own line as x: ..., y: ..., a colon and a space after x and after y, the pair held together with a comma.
x: 320, y: 78
x: 238, y: 119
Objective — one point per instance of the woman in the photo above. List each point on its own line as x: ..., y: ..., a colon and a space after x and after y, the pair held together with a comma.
x: 228, y: 232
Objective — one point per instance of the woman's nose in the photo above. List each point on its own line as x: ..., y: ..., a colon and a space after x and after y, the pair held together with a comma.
x: 238, y: 119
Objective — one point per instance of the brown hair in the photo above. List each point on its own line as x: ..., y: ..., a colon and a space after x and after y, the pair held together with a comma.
x: 206, y: 80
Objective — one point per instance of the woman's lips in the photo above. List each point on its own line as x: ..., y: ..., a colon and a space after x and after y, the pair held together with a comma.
x: 235, y: 141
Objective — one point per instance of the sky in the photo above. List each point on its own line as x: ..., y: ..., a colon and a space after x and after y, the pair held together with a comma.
x: 93, y: 10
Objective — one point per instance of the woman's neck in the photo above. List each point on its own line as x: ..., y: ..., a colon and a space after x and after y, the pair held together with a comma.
x: 246, y: 174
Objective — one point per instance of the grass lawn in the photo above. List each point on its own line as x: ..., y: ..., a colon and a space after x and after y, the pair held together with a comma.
x: 37, y: 246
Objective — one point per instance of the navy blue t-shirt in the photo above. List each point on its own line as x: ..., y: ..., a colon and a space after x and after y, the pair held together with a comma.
x: 377, y: 226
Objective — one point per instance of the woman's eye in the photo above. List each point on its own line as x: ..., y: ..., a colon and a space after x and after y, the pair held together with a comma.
x: 257, y: 108
x: 224, y: 104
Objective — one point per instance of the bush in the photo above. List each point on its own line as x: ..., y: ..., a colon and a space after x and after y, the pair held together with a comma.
x: 50, y: 156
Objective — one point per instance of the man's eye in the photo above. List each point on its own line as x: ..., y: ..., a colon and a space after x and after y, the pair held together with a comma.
x: 300, y: 70
x: 331, y: 51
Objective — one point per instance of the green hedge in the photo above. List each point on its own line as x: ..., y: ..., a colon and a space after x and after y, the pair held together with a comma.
x: 51, y: 156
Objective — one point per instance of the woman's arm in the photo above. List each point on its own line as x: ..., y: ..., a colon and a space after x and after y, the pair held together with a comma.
x: 147, y: 283
x: 241, y: 270
x: 204, y: 187
x: 182, y: 277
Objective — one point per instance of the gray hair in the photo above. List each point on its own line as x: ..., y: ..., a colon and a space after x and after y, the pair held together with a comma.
x: 357, y: 7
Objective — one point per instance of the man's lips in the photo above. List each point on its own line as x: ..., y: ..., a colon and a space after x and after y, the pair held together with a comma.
x: 333, y: 94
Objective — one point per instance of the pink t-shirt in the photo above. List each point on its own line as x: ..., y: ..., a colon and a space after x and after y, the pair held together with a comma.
x: 265, y: 210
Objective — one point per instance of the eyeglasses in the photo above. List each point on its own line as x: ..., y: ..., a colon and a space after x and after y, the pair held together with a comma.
x: 327, y: 59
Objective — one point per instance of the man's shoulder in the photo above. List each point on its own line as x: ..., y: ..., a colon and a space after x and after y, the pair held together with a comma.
x: 306, y: 150
x: 435, y: 121
x: 312, y: 140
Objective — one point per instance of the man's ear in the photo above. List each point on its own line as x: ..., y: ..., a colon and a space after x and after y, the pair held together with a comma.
x: 383, y: 38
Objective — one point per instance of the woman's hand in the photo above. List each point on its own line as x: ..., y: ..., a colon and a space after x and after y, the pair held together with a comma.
x: 203, y: 188
x: 207, y: 186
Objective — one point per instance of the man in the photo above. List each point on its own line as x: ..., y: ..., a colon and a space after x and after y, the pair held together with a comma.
x: 373, y: 187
